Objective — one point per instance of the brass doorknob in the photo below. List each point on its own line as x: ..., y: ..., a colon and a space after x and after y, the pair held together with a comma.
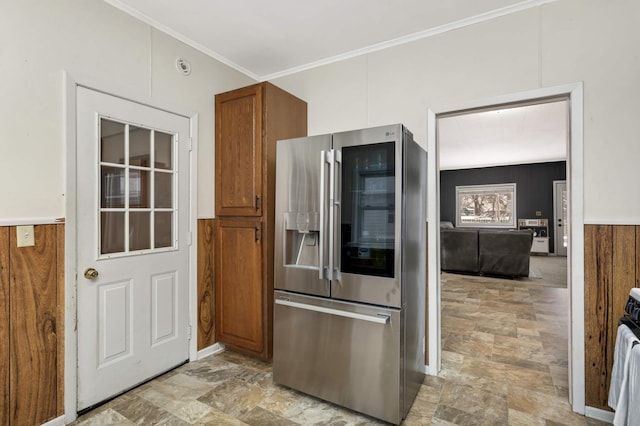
x: 90, y: 274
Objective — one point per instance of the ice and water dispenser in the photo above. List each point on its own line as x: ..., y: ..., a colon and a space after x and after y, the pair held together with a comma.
x: 301, y: 241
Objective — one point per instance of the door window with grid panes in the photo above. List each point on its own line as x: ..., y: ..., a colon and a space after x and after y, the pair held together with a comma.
x: 137, y: 196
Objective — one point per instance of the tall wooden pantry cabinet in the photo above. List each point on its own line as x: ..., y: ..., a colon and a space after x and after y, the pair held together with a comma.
x: 249, y: 122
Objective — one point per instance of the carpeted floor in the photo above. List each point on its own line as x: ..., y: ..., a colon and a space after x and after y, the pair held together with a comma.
x: 552, y: 270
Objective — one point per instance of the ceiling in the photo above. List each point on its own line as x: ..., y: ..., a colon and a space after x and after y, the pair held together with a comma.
x: 269, y: 39
x: 517, y: 135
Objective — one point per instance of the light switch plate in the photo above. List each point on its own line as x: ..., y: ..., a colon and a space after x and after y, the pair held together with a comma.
x: 25, y: 236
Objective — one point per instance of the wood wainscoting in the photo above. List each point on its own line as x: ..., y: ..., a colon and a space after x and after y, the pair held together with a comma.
x: 32, y: 326
x: 32, y: 313
x: 611, y: 269
x: 32, y: 320
x: 206, y: 290
x: 4, y: 325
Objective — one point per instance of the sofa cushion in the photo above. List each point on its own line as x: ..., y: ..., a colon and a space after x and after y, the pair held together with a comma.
x: 459, y: 250
x: 504, y: 252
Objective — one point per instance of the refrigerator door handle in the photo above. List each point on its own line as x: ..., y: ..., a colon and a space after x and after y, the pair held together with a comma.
x: 322, y: 270
x: 332, y: 194
x: 336, y: 213
x: 378, y: 319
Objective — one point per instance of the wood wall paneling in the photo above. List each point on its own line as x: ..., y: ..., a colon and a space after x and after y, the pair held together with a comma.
x: 4, y: 325
x: 33, y: 368
x: 31, y: 333
x: 637, y: 279
x: 598, y: 271
x: 624, y: 271
x: 206, y: 289
x: 611, y: 270
x: 60, y: 312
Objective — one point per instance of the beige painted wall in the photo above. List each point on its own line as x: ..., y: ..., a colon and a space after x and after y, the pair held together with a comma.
x: 563, y: 42
x: 89, y: 39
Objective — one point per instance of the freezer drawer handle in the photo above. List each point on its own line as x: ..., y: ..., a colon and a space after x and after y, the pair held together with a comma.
x: 379, y: 318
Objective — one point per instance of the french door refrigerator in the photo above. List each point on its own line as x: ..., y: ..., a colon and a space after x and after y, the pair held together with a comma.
x: 349, y: 299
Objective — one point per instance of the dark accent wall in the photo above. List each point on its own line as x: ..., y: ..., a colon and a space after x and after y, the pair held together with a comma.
x: 534, y: 186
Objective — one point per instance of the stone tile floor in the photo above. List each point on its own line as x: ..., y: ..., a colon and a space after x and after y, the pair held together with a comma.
x: 504, y: 362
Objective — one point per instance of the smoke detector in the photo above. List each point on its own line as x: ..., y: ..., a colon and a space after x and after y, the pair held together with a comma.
x: 183, y: 66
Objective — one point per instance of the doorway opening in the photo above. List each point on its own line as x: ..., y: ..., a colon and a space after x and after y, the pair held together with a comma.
x: 571, y: 95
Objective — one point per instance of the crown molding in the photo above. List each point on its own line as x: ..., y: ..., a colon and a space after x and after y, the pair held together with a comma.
x: 180, y: 37
x: 483, y: 17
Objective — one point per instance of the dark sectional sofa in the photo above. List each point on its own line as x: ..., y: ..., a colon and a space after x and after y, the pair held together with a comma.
x: 487, y: 252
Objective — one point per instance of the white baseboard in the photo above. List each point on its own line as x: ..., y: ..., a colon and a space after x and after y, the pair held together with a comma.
x: 599, y: 414
x: 430, y: 371
x: 58, y: 421
x: 216, y: 348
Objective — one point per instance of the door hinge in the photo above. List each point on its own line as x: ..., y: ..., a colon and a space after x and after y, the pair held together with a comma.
x: 190, y: 144
x: 189, y: 333
x: 190, y: 238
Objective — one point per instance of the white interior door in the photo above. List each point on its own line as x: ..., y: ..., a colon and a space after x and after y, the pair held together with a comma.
x: 132, y: 240
x: 560, y: 216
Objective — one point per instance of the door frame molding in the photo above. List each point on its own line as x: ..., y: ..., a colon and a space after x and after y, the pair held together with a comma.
x: 70, y: 85
x: 575, y: 251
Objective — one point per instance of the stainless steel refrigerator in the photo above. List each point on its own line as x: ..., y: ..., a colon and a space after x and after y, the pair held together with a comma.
x: 349, y: 299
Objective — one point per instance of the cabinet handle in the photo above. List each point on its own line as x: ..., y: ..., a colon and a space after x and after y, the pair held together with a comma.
x: 257, y: 202
x: 256, y: 234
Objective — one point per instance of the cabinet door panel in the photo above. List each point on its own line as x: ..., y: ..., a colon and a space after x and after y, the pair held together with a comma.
x: 239, y: 152
x: 239, y: 289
